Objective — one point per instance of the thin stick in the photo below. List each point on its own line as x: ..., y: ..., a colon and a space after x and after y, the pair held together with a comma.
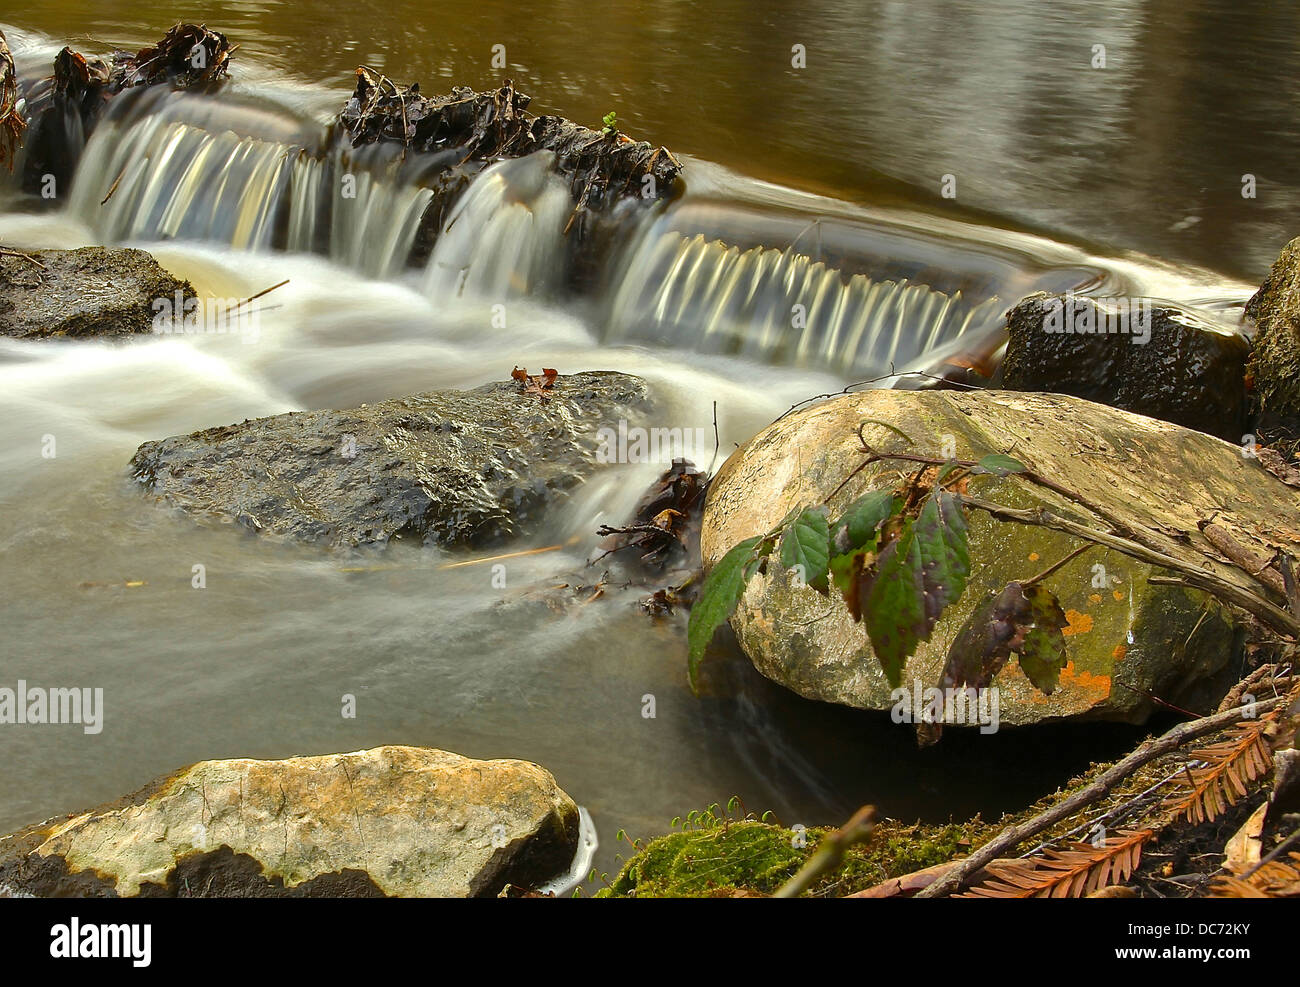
x: 717, y: 443
x: 6, y: 252
x: 252, y: 298
x: 1058, y: 565
x: 1275, y: 617
x: 116, y: 182
x: 507, y: 555
x: 1013, y: 836
x: 830, y: 852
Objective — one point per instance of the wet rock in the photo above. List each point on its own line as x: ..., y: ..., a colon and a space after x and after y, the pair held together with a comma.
x: 1126, y: 638
x: 1275, y: 357
x: 392, y: 821
x: 602, y: 166
x: 447, y: 467
x: 65, y: 107
x: 91, y: 291
x: 1153, y: 359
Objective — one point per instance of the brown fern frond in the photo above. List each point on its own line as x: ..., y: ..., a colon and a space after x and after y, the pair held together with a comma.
x: 1275, y: 879
x: 1231, y: 765
x: 1074, y: 872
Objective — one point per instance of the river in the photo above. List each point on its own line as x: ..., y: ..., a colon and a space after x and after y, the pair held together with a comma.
x: 1125, y: 178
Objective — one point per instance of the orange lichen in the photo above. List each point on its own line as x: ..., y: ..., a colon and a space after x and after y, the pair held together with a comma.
x: 1080, y: 623
x: 1117, y: 594
x: 1095, y: 598
x: 1119, y: 652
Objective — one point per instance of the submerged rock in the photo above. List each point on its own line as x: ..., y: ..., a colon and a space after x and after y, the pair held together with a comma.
x: 1275, y: 357
x: 1126, y: 639
x: 1157, y: 360
x: 392, y: 821
x: 91, y: 291
x: 447, y: 467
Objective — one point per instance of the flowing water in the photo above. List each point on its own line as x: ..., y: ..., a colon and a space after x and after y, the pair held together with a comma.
x: 239, y: 192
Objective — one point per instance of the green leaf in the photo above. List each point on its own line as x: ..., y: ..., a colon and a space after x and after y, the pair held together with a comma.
x: 846, y: 570
x: 806, y: 544
x: 1042, y: 655
x: 1025, y: 621
x: 945, y: 554
x: 718, y: 598
x: 1000, y: 465
x: 860, y: 521
x: 891, y: 600
x: 914, y: 580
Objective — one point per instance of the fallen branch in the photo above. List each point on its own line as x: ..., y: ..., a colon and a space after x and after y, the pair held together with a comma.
x: 1013, y: 836
x: 1273, y: 616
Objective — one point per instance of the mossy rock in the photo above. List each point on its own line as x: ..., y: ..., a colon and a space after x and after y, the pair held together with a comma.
x: 1275, y: 358
x: 1127, y: 639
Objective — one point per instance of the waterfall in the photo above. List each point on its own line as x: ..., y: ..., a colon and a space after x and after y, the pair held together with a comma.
x: 752, y: 279
x: 504, y: 238
x: 780, y: 306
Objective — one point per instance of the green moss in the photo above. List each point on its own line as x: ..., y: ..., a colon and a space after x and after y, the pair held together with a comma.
x: 712, y: 856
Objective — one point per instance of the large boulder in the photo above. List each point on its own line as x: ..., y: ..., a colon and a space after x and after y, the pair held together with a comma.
x: 90, y: 291
x: 392, y: 821
x: 1275, y: 357
x: 1158, y: 640
x: 1155, y: 359
x: 447, y: 467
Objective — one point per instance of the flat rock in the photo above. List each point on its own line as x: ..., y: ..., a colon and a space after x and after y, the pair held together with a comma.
x: 392, y: 821
x: 1156, y: 359
x: 90, y: 291
x: 1156, y: 640
x: 446, y: 467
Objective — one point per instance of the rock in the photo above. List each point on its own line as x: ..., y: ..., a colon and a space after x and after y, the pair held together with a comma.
x: 91, y: 291
x: 1162, y: 640
x: 1189, y: 371
x: 1275, y: 357
x: 392, y: 821
x: 447, y: 467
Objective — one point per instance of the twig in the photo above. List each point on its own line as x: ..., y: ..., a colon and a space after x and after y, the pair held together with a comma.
x: 116, y: 182
x: 1013, y: 836
x: 1025, y: 583
x: 1276, y: 618
x: 6, y: 252
x: 717, y: 443
x: 830, y: 852
x: 252, y: 298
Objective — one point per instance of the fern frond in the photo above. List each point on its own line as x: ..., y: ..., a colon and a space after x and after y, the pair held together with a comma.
x: 1074, y: 872
x: 1231, y: 765
x: 1275, y: 879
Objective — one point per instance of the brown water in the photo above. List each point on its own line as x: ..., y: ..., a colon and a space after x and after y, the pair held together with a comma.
x: 894, y: 96
x: 1147, y: 153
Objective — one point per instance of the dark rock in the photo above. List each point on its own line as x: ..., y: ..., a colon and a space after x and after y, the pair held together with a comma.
x: 1275, y: 357
x: 91, y: 291
x: 447, y: 467
x: 1188, y: 371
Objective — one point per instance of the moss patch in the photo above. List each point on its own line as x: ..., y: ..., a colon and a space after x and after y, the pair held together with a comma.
x: 712, y: 855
